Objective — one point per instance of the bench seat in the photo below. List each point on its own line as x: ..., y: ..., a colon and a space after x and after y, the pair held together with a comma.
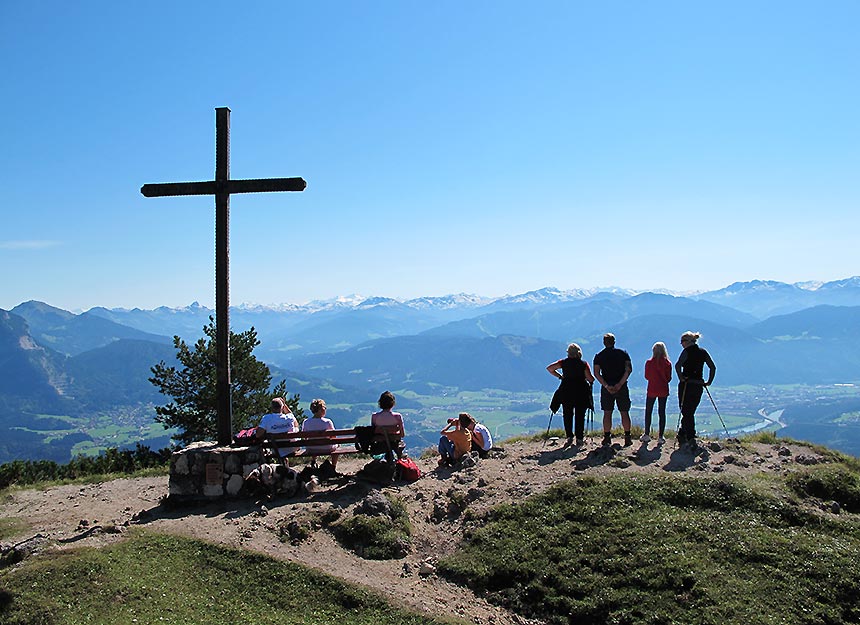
x: 305, y: 444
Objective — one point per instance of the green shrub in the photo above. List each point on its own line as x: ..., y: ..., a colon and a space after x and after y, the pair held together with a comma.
x: 125, y: 461
x: 376, y: 537
x: 829, y: 482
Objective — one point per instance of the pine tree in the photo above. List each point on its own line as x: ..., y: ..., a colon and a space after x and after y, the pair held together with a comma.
x: 192, y: 387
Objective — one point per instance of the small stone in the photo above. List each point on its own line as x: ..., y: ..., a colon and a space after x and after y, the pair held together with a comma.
x: 426, y: 569
x: 807, y: 460
x: 715, y: 446
x: 783, y: 451
x: 835, y: 508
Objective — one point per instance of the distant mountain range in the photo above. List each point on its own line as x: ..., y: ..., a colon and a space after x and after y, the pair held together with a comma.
x: 54, y: 362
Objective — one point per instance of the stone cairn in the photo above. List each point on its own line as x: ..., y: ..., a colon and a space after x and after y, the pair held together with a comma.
x: 206, y: 471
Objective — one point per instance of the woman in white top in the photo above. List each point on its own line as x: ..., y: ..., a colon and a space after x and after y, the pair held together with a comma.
x: 482, y: 440
x: 280, y: 419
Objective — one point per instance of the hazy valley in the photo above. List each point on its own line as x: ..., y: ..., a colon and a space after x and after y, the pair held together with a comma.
x: 74, y: 383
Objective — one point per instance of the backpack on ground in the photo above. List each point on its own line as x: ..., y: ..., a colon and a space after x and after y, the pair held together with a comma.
x: 406, y: 470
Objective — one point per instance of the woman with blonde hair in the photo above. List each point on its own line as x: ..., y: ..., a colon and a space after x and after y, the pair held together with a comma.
x: 318, y: 422
x: 658, y: 372
x: 574, y: 392
x: 691, y: 384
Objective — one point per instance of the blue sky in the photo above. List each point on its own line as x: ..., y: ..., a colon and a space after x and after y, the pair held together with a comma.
x: 449, y: 146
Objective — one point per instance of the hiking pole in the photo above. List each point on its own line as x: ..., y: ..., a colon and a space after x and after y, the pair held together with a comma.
x: 717, y: 411
x: 545, y: 438
x: 591, y: 425
x: 591, y: 412
x: 680, y: 412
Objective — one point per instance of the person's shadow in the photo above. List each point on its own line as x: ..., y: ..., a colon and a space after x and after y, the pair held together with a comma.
x: 644, y: 456
x: 682, y: 459
x: 596, y: 456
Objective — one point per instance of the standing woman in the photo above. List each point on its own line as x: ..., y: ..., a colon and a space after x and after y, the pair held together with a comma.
x: 690, y: 369
x: 658, y: 372
x: 574, y: 392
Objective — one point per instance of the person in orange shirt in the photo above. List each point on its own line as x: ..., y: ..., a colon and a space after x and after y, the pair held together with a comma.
x: 455, y: 443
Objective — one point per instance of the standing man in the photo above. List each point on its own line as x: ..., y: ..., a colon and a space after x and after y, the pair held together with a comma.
x: 691, y: 382
x: 612, y: 367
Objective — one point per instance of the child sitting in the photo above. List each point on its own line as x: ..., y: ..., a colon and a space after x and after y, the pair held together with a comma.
x: 453, y: 444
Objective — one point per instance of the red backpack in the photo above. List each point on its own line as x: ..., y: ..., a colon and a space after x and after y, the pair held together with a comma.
x: 407, y: 470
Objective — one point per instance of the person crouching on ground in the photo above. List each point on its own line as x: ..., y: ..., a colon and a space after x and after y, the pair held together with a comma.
x: 279, y: 419
x: 691, y: 383
x: 482, y: 441
x: 318, y: 422
x: 455, y: 443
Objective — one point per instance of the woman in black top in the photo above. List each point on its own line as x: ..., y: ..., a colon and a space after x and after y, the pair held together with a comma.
x: 691, y: 383
x: 574, y: 392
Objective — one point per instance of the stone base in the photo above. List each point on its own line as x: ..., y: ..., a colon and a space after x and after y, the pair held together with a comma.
x: 206, y: 471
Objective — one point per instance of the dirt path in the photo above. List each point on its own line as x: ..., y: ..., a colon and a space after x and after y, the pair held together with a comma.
x: 99, y: 514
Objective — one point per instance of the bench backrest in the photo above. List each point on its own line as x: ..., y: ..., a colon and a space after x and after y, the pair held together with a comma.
x: 292, y: 440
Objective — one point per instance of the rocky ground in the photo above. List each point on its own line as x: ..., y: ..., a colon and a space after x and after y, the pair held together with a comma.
x: 98, y: 514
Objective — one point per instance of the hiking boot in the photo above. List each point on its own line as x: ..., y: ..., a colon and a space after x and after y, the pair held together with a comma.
x: 627, y: 439
x: 644, y: 439
x: 661, y: 440
x: 607, y: 439
x: 579, y: 442
x: 569, y: 441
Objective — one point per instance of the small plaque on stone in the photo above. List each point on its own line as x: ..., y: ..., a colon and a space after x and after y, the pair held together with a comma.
x: 214, y: 473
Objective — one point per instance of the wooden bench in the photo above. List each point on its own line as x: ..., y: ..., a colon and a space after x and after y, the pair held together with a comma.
x: 303, y: 444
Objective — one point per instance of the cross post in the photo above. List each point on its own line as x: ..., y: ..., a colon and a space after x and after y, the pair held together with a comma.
x: 222, y: 187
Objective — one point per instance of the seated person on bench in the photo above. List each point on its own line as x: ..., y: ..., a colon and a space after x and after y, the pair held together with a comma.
x: 385, y: 417
x: 319, y: 423
x: 280, y: 419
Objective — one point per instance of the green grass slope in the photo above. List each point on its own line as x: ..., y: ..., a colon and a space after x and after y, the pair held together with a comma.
x: 673, y: 549
x: 153, y: 578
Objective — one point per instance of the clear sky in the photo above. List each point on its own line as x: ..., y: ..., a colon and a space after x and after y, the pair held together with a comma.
x: 487, y: 147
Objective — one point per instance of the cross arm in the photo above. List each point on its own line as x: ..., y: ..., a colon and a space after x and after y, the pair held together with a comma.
x: 211, y: 187
x: 261, y: 185
x: 179, y: 188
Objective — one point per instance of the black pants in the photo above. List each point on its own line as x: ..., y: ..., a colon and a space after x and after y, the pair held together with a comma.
x: 661, y: 413
x: 689, y: 396
x: 568, y: 411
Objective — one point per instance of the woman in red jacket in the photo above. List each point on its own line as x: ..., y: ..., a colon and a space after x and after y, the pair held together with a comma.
x: 658, y: 372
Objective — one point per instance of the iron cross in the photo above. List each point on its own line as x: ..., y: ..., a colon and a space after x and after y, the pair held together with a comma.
x: 222, y: 187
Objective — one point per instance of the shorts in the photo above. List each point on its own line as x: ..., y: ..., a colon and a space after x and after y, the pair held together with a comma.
x: 608, y: 401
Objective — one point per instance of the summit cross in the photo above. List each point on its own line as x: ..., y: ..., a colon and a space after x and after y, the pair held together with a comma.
x: 222, y: 187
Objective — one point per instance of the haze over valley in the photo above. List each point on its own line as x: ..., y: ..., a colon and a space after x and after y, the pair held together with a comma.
x: 788, y: 357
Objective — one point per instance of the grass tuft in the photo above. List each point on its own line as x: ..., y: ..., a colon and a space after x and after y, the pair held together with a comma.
x: 376, y: 537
